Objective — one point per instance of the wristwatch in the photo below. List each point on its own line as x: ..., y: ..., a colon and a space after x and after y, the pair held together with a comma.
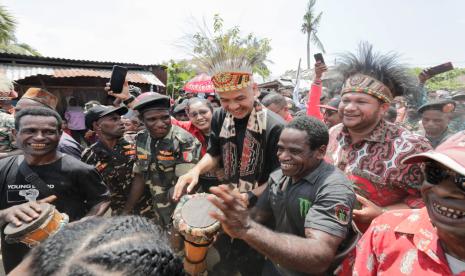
x: 252, y: 198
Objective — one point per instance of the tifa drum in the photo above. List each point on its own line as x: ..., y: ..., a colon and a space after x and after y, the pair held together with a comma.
x: 191, y: 218
x: 33, y: 233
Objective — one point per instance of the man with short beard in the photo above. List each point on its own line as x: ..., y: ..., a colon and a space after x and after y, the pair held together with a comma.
x: 427, y: 241
x: 366, y: 147
x: 113, y: 157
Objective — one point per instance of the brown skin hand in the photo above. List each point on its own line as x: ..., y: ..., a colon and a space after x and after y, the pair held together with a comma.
x: 312, y: 254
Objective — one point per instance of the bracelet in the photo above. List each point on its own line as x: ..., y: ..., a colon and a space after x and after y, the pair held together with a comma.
x: 129, y: 100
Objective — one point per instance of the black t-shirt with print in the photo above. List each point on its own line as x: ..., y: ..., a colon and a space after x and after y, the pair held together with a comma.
x: 274, y: 126
x: 78, y: 188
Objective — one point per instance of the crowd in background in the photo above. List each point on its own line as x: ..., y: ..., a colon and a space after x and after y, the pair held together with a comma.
x: 367, y: 160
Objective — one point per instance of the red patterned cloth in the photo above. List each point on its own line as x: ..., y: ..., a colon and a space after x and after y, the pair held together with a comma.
x: 374, y: 164
x: 401, y: 242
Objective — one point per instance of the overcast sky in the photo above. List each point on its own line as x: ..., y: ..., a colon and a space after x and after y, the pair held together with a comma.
x: 426, y: 32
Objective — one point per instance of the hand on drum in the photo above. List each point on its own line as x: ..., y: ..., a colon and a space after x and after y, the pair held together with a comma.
x: 191, y: 178
x: 235, y: 218
x: 25, y: 212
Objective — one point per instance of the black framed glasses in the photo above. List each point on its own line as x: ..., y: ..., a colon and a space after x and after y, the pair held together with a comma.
x: 435, y: 174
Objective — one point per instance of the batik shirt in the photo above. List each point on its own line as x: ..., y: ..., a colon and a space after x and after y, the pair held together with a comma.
x: 161, y: 161
x: 7, y: 123
x: 115, y: 165
x: 375, y: 164
x: 401, y: 242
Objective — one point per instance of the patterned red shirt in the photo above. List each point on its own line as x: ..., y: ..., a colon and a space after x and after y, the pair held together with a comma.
x: 401, y: 242
x: 374, y: 164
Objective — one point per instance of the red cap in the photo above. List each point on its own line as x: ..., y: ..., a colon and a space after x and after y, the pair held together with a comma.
x: 451, y: 153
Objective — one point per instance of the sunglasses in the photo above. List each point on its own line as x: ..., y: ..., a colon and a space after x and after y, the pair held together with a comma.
x: 435, y: 175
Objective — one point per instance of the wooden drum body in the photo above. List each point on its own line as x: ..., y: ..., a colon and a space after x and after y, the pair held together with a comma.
x: 31, y: 234
x: 191, y: 218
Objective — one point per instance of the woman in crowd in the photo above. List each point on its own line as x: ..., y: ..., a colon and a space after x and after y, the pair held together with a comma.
x: 200, y: 113
x: 74, y: 115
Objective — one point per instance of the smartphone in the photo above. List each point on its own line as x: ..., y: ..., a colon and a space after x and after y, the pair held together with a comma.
x: 118, y: 76
x: 319, y: 57
x: 442, y: 68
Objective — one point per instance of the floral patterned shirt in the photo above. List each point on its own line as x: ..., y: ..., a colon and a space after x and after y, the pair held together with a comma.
x: 375, y: 164
x: 401, y: 242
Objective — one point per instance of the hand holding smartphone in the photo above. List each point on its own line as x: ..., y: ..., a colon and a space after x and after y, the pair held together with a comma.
x: 319, y: 57
x: 441, y: 68
x: 118, y: 76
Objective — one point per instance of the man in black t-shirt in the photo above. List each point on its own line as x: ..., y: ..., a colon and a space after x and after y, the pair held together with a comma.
x: 310, y: 200
x: 77, y: 187
x: 243, y: 140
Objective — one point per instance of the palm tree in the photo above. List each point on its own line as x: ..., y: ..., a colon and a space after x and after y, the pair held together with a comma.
x: 310, y: 27
x: 8, y: 41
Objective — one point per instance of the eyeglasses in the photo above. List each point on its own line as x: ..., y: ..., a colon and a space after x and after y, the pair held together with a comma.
x: 435, y: 174
x: 202, y: 113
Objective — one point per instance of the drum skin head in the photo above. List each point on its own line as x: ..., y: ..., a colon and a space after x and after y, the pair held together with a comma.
x: 13, y: 231
x: 195, y: 212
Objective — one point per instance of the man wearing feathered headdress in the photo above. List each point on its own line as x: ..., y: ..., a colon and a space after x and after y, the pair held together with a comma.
x: 243, y: 138
x: 368, y: 148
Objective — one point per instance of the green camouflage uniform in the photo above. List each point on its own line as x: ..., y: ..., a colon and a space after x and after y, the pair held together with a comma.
x: 116, y: 166
x: 457, y: 124
x: 161, y: 162
x: 7, y: 123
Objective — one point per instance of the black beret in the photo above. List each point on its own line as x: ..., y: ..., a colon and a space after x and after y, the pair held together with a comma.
x: 157, y: 101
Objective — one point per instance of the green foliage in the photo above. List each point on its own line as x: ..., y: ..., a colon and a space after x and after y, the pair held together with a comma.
x: 179, y: 72
x: 310, y: 28
x: 8, y: 41
x: 254, y: 48
x: 445, y: 81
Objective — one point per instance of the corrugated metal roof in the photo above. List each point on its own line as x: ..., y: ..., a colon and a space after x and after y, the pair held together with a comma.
x: 18, y: 72
x: 66, y: 61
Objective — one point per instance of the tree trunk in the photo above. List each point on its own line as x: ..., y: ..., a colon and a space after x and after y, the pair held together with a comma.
x: 308, y: 50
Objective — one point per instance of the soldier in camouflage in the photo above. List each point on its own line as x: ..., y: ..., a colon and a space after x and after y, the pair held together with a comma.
x: 114, y: 157
x: 458, y: 119
x: 7, y: 120
x: 164, y: 152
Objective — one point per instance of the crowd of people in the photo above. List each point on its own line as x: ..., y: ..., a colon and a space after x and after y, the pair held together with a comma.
x: 366, y: 180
